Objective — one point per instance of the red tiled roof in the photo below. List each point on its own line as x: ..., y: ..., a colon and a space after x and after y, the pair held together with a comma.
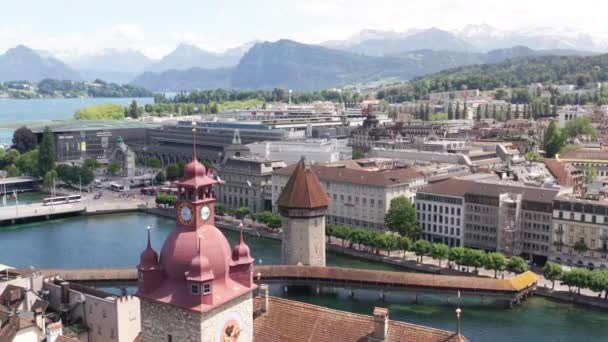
x: 585, y: 154
x: 384, y: 178
x: 289, y: 321
x: 66, y: 339
x: 303, y: 190
x: 460, y: 187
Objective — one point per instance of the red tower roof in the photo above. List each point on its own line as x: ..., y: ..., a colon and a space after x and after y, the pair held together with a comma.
x: 240, y: 253
x: 303, y: 190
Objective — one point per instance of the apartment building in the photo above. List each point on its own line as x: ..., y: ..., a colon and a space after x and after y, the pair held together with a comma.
x: 580, y: 232
x: 247, y: 182
x: 360, y: 195
x: 489, y: 215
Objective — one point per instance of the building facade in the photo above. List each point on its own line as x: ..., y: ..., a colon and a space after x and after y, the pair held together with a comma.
x: 247, y: 182
x: 580, y: 232
x: 359, y: 197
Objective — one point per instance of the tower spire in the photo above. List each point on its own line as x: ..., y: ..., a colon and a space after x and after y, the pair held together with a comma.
x: 194, y: 141
x: 241, y: 228
x: 149, y: 229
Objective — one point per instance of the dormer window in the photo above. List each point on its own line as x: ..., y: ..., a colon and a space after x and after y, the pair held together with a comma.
x: 195, y: 289
x: 140, y: 276
x: 206, y: 288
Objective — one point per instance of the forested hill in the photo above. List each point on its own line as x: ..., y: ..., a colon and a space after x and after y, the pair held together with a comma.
x: 512, y: 73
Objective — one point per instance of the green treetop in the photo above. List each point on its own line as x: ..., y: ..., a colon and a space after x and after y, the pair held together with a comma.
x: 401, y: 217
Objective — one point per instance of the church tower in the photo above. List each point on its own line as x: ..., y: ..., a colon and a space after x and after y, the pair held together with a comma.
x: 198, y: 290
x: 303, y: 205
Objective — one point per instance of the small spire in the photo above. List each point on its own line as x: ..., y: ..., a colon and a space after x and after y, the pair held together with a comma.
x: 241, y: 228
x: 149, y: 229
x: 194, y: 141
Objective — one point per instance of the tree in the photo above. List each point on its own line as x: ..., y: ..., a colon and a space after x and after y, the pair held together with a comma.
x: 160, y: 177
x: 401, y: 217
x: 28, y: 163
x: 496, y: 262
x: 357, y: 153
x: 508, y: 116
x: 114, y: 168
x: 240, y: 213
x: 580, y: 246
x: 133, y: 110
x: 173, y: 172
x: 405, y: 244
x: 24, y: 140
x: 474, y: 257
x: 422, y: 248
x: 13, y: 171
x: 533, y: 156
x: 456, y: 255
x: 440, y: 252
x: 450, y: 111
x: 552, y: 272
x: 553, y: 140
x: 478, y: 116
x: 590, y: 174
x: 47, y: 153
x: 580, y: 278
x: 49, y: 180
x: 598, y: 282
x: 220, y: 209
x: 580, y: 126
x: 154, y: 163
x: 91, y: 164
x: 517, y: 265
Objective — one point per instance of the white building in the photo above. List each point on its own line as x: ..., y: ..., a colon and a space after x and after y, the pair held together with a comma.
x: 315, y: 150
x: 566, y: 114
x: 359, y: 196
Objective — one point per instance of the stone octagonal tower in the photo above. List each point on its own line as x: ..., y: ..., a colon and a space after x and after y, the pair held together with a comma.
x: 199, y: 289
x: 303, y: 205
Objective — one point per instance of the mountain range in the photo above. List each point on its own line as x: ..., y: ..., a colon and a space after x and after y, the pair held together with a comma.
x: 366, y: 56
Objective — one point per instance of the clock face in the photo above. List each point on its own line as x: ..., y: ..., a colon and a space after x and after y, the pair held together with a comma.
x: 185, y: 213
x: 231, y: 328
x: 205, y: 212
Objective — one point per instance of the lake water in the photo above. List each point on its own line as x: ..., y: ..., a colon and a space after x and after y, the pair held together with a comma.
x: 17, y: 111
x: 117, y: 240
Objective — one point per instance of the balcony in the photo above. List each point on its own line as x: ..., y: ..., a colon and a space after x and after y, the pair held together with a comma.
x: 559, y: 231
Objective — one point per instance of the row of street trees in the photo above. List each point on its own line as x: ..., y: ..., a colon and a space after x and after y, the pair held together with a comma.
x: 580, y: 278
x: 374, y: 242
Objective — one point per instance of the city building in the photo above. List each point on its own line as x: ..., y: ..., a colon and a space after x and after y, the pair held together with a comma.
x: 303, y: 205
x: 583, y: 159
x: 315, y: 150
x: 201, y: 290
x: 360, y: 190
x: 580, y: 232
x: 247, y: 182
x: 566, y: 175
x: 97, y: 139
x: 488, y: 214
x: 569, y: 113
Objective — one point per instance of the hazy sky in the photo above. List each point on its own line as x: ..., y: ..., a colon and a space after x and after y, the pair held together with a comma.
x: 69, y: 27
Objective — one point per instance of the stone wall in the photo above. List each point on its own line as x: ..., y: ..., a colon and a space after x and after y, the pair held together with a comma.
x: 304, y: 241
x: 161, y: 320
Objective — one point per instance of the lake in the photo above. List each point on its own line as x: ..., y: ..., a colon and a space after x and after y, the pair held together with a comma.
x: 17, y: 111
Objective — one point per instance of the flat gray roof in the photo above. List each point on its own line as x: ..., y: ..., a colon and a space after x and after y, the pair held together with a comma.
x: 90, y: 125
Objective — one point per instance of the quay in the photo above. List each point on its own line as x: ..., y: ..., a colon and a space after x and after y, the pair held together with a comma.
x: 511, y: 290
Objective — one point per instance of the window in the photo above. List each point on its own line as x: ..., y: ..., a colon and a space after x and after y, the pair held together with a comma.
x: 169, y: 338
x: 207, y: 289
x: 195, y: 289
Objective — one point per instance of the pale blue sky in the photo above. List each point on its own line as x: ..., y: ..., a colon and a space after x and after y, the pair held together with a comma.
x: 70, y: 27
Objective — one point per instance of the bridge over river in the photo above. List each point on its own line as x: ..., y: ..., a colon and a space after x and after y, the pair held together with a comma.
x: 511, y: 290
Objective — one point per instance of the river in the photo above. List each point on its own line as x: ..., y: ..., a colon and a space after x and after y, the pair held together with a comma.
x: 17, y: 111
x: 117, y: 240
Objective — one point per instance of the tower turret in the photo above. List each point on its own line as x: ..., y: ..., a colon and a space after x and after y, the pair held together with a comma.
x: 149, y: 274
x: 303, y: 205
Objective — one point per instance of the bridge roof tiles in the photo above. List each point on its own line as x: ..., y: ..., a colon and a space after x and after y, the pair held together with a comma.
x: 287, y: 321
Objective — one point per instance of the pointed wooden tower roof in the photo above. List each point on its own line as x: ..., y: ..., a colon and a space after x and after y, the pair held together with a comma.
x: 303, y: 190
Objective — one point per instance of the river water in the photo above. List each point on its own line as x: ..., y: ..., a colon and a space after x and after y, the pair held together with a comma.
x: 117, y: 240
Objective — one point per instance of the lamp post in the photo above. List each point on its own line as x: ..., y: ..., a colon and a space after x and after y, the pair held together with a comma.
x: 458, y: 312
x: 259, y: 276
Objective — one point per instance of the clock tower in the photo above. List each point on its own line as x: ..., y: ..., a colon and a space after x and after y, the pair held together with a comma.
x: 199, y: 289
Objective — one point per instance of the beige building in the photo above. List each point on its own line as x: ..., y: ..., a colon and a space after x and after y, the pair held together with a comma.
x: 247, y: 182
x: 360, y: 191
x: 584, y: 224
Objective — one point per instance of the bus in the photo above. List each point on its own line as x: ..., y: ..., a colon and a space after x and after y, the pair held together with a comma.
x: 117, y: 187
x: 61, y: 200
x: 150, y: 191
